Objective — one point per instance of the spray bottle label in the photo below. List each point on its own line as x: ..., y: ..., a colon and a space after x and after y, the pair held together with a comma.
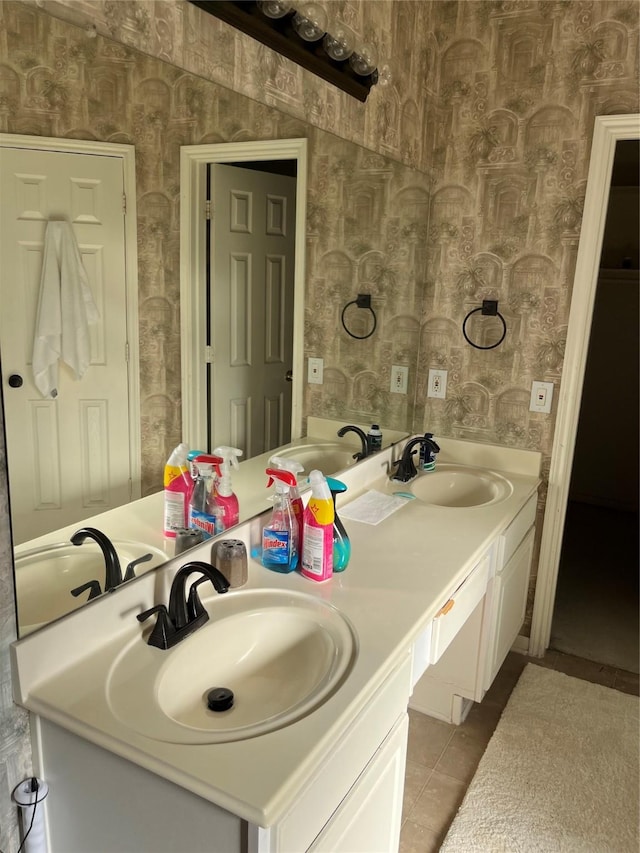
x: 314, y: 550
x: 203, y: 521
x: 276, y: 548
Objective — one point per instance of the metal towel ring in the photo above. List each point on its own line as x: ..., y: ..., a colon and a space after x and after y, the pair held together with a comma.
x: 489, y: 308
x: 363, y: 301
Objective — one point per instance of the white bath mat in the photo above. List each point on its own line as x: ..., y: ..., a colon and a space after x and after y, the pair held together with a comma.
x: 560, y: 774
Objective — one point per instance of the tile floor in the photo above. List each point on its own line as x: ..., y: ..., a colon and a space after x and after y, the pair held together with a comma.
x: 442, y: 758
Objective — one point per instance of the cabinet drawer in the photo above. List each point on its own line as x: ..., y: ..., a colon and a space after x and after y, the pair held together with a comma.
x: 456, y: 610
x: 515, y: 532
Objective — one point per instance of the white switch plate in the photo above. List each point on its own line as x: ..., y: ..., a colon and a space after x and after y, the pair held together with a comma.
x: 541, y: 396
x: 399, y: 379
x: 437, y: 386
x: 315, y: 370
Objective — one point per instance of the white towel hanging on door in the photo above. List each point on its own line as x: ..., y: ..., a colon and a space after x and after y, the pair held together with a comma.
x: 65, y: 309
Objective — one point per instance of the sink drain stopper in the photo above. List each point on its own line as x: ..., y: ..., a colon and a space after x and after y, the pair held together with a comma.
x: 219, y: 699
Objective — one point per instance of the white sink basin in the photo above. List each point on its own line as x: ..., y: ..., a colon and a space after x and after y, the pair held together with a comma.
x: 46, y: 576
x: 459, y: 486
x: 281, y: 653
x: 328, y: 457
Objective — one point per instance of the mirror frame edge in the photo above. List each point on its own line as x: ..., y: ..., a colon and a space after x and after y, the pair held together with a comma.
x: 193, y: 162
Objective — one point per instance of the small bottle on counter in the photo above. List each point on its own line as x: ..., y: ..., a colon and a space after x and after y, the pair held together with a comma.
x: 374, y: 438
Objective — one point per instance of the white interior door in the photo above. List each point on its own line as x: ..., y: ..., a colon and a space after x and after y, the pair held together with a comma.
x: 252, y: 295
x: 68, y: 458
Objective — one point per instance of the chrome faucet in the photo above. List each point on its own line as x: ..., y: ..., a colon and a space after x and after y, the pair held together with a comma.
x: 113, y: 572
x: 185, y: 613
x: 362, y: 454
x: 406, y: 469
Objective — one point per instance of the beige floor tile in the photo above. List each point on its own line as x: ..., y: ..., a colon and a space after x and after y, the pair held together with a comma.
x: 415, y: 778
x: 438, y: 803
x: 427, y: 738
x: 598, y: 673
x: 482, y: 720
x: 418, y: 839
x: 461, y: 757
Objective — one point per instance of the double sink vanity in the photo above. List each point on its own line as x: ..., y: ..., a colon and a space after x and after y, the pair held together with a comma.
x: 311, y: 755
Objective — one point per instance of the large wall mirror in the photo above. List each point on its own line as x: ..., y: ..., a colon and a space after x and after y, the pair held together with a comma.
x: 354, y: 201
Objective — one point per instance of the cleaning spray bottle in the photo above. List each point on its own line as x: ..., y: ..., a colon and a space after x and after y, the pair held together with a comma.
x: 293, y: 467
x: 178, y: 486
x: 280, y: 536
x: 203, y: 510
x: 225, y: 498
x: 317, y: 553
x: 341, y: 542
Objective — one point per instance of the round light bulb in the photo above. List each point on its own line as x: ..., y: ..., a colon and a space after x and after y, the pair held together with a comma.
x: 364, y: 59
x: 275, y: 8
x: 339, y: 43
x: 310, y: 21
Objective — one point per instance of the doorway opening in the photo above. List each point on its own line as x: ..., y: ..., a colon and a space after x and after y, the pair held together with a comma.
x: 608, y: 132
x: 197, y: 350
x: 596, y: 607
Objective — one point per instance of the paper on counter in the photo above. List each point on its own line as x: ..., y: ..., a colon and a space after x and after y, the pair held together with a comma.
x: 372, y: 507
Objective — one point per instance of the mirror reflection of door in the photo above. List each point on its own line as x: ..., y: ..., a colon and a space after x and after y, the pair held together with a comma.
x: 252, y: 254
x: 67, y: 457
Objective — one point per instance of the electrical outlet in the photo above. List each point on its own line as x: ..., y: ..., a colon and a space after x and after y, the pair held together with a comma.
x: 399, y: 379
x: 437, y: 386
x: 541, y: 395
x: 315, y: 370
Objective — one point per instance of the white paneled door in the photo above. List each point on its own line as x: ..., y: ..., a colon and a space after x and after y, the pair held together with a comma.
x: 68, y: 457
x: 251, y: 291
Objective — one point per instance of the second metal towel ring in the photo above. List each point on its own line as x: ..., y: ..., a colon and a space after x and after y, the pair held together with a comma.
x: 489, y: 308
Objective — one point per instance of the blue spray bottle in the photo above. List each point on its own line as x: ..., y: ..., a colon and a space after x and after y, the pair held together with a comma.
x: 280, y: 536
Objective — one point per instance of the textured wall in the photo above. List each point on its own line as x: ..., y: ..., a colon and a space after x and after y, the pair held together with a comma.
x: 463, y: 180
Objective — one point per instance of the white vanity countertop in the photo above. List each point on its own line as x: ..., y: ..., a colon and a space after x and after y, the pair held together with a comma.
x: 401, y: 571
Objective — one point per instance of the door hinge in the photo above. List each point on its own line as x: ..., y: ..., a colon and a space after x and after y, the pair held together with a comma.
x: 208, y: 211
x: 208, y: 355
x: 124, y: 203
x: 126, y: 352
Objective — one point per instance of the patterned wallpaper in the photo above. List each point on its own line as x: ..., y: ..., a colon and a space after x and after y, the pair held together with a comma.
x: 463, y: 180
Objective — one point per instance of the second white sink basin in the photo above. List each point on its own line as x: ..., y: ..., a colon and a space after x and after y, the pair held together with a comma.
x: 280, y: 653
x: 459, y: 486
x: 328, y: 457
x: 45, y: 577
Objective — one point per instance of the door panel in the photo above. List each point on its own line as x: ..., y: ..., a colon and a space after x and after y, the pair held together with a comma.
x: 251, y: 286
x: 68, y: 457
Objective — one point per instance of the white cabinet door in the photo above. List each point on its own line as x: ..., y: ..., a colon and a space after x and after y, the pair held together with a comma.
x: 510, y: 587
x: 368, y: 819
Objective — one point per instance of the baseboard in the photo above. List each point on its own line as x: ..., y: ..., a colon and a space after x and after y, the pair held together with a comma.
x: 521, y: 645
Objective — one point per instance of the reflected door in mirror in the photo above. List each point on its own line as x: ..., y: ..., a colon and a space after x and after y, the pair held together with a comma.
x: 68, y: 457
x: 251, y: 296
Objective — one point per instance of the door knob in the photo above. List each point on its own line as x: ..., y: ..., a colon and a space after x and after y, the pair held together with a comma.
x: 15, y: 380
x: 289, y: 376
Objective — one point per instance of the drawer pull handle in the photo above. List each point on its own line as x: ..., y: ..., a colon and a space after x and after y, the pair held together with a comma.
x: 446, y: 608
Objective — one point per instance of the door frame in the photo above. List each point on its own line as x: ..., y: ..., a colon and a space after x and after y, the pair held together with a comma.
x: 193, y: 280
x: 607, y: 131
x: 127, y: 154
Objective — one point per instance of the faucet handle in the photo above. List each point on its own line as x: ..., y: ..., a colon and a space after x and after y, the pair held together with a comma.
x: 92, y: 586
x: 163, y: 628
x: 130, y: 574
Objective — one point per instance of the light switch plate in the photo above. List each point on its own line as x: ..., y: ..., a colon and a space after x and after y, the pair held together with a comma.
x: 541, y: 396
x: 315, y: 371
